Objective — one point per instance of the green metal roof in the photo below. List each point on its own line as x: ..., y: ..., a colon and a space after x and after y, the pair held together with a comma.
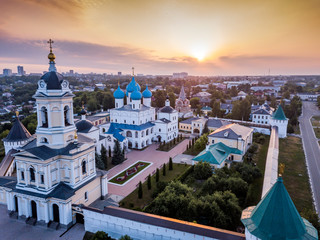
x: 279, y: 114
x: 216, y: 154
x: 276, y: 217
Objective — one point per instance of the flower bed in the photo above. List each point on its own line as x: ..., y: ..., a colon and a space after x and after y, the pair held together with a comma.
x: 130, y: 172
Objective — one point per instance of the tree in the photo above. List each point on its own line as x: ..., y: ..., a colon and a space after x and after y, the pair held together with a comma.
x: 117, y: 157
x: 103, y: 154
x: 125, y: 237
x: 109, y: 151
x: 108, y: 101
x: 92, y: 104
x: 172, y: 98
x: 164, y: 169
x: 99, y: 162
x: 194, y: 102
x: 233, y: 91
x: 170, y: 164
x: 100, y: 235
x: 205, y: 129
x: 286, y: 95
x: 140, y: 193
x: 241, y: 110
x: 159, y: 98
x: 149, y: 182
x: 202, y: 170
x: 157, y: 175
x: 200, y: 143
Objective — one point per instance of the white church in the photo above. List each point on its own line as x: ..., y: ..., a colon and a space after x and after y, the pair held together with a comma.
x: 136, y: 124
x: 56, y: 169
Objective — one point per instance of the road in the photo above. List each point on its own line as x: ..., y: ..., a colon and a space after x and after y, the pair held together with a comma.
x: 311, y: 148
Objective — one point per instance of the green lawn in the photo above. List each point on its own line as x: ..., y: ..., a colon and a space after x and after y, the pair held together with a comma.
x: 295, y: 175
x: 255, y: 189
x: 127, y: 178
x: 317, y: 132
x: 132, y: 200
x: 296, y: 129
x: 315, y: 120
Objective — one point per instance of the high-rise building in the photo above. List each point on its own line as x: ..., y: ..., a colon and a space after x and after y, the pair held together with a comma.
x: 7, y: 72
x: 119, y: 73
x: 71, y: 72
x: 20, y: 70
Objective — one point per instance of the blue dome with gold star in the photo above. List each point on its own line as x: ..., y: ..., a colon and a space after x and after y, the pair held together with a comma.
x: 147, y: 93
x: 133, y: 85
x: 118, y: 94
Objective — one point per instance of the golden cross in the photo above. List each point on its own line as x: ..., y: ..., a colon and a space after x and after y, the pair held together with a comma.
x: 50, y: 42
x: 132, y: 71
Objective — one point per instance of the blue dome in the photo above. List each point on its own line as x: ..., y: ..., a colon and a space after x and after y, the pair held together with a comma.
x: 136, y: 95
x: 118, y: 93
x: 147, y: 93
x: 133, y: 85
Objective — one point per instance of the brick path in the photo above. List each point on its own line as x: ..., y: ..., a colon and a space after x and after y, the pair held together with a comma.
x: 158, y: 158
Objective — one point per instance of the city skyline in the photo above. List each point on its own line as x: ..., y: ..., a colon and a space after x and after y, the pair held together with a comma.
x: 198, y: 37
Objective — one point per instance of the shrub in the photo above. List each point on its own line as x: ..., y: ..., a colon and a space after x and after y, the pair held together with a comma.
x: 186, y: 173
x: 253, y: 148
x: 140, y: 190
x: 290, y: 129
x: 164, y: 169
x: 149, y: 182
x: 157, y: 175
x: 170, y: 164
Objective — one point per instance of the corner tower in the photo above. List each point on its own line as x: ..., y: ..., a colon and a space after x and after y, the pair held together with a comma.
x: 54, y: 101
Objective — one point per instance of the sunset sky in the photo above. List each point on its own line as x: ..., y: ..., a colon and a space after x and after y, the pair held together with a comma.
x: 226, y: 37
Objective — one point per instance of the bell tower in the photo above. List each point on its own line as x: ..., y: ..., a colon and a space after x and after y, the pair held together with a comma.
x: 54, y: 101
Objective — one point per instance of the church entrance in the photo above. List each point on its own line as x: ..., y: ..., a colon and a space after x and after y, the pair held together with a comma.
x: 34, y: 209
x: 79, y: 218
x: 56, y: 217
x: 159, y: 138
x: 16, y: 203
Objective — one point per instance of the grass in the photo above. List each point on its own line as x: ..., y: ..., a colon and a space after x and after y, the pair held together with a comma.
x: 317, y: 132
x: 295, y: 176
x: 133, y: 202
x: 315, y: 121
x: 255, y: 189
x: 123, y: 173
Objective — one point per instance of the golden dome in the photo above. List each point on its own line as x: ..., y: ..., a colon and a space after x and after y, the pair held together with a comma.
x: 51, y: 57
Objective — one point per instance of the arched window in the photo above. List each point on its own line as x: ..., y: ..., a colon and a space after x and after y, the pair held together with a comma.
x: 136, y: 134
x: 129, y: 134
x: 84, y: 167
x: 66, y: 112
x: 32, y: 175
x: 147, y: 132
x: 142, y: 134
x: 44, y: 140
x: 44, y: 117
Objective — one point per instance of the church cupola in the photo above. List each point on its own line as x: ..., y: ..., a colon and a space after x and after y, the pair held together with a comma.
x: 147, y: 94
x: 17, y: 137
x: 167, y: 101
x: 119, y: 97
x: 132, y: 86
x: 136, y: 99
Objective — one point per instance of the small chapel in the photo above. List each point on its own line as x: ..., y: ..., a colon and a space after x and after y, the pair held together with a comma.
x: 55, y: 169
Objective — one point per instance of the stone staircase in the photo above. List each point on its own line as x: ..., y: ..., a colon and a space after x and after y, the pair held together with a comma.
x: 13, y: 214
x: 31, y: 221
x: 54, y: 225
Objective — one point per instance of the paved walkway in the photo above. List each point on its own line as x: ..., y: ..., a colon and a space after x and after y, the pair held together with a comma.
x: 311, y: 149
x: 157, y: 158
x: 15, y: 229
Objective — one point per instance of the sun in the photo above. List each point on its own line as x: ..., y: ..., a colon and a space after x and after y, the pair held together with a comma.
x: 199, y: 53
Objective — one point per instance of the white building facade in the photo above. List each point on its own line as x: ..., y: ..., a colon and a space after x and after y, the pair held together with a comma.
x: 56, y: 170
x: 135, y: 124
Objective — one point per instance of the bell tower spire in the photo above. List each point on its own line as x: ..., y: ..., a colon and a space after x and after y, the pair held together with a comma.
x: 51, y: 57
